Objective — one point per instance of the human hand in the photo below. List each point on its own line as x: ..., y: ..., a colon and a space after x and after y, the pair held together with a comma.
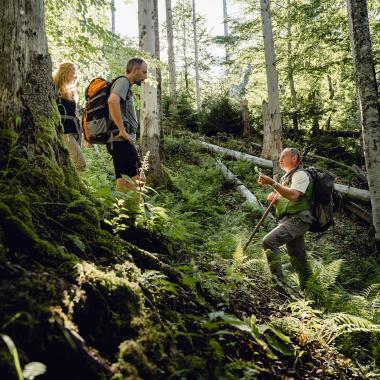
x: 265, y: 180
x: 124, y: 135
x: 272, y: 197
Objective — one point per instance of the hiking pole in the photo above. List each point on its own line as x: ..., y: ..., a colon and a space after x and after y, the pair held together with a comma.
x: 259, y: 224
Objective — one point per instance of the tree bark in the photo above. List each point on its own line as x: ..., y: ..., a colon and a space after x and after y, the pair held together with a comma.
x: 198, y: 96
x: 368, y: 101
x: 171, y: 61
x: 272, y: 84
x: 113, y: 16
x: 267, y: 137
x: 225, y: 18
x: 158, y: 74
x: 149, y: 122
x: 184, y: 50
x: 315, y: 113
x: 157, y: 56
x: 245, y: 117
x: 290, y: 70
x: 26, y: 90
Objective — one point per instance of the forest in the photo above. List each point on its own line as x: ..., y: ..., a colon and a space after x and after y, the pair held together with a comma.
x: 243, y: 239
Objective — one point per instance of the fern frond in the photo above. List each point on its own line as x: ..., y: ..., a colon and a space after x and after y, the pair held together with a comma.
x: 349, y: 319
x: 329, y: 273
x: 338, y: 324
x: 373, y: 290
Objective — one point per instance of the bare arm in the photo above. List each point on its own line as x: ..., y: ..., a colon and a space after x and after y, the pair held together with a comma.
x: 115, y: 113
x: 290, y: 194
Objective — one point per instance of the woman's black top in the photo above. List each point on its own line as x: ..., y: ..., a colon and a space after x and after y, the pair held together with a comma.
x: 67, y: 110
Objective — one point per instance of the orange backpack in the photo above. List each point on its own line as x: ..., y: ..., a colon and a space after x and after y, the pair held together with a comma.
x: 97, y: 126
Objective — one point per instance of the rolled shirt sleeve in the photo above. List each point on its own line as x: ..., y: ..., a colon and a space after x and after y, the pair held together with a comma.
x: 300, y: 181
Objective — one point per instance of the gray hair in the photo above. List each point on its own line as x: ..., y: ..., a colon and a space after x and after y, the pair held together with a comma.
x: 294, y: 152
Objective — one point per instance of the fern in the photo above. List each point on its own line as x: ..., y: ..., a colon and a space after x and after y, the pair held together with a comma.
x: 329, y: 274
x: 371, y: 291
x: 338, y: 324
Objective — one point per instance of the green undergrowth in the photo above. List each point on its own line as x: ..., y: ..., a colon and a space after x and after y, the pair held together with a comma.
x: 155, y: 285
x: 343, y: 287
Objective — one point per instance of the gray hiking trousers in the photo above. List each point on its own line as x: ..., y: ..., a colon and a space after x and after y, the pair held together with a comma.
x: 290, y: 231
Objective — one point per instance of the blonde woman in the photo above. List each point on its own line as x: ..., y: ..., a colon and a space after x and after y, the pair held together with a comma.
x: 64, y: 79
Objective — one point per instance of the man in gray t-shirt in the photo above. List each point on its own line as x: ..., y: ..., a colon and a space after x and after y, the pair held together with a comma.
x: 122, y: 87
x: 122, y: 112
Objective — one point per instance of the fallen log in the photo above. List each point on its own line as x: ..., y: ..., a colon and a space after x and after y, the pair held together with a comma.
x: 244, y: 192
x: 353, y: 193
x: 353, y: 134
x: 358, y: 211
x: 237, y: 155
x: 347, y: 191
x: 353, y: 208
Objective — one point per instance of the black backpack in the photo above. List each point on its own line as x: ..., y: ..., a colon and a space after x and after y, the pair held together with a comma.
x: 97, y: 126
x: 322, y: 206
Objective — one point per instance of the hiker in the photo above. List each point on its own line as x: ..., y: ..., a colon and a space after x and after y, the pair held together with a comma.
x: 292, y: 199
x: 64, y: 80
x: 123, y: 114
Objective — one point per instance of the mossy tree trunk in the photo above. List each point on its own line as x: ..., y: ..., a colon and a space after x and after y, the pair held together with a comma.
x: 50, y: 229
x: 26, y: 90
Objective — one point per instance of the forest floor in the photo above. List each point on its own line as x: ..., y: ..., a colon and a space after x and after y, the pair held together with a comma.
x: 155, y: 284
x: 207, y: 223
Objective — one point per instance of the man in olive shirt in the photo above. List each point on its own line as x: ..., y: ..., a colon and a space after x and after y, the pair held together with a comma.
x: 123, y: 114
x: 293, y: 207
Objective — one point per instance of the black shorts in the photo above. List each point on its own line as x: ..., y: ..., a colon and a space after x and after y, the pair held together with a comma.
x: 125, y: 158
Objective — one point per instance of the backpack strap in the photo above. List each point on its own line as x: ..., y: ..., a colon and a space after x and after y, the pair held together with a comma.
x: 129, y: 93
x: 287, y: 178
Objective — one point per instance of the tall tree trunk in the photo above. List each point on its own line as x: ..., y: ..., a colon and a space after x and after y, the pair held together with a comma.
x: 157, y: 56
x: 368, y: 101
x: 184, y: 50
x: 196, y: 59
x: 266, y: 152
x: 26, y: 90
x: 290, y: 70
x: 327, y: 125
x: 272, y: 85
x: 158, y: 74
x: 245, y: 116
x: 315, y: 114
x: 113, y: 16
x: 225, y: 17
x: 149, y: 122
x: 171, y: 61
